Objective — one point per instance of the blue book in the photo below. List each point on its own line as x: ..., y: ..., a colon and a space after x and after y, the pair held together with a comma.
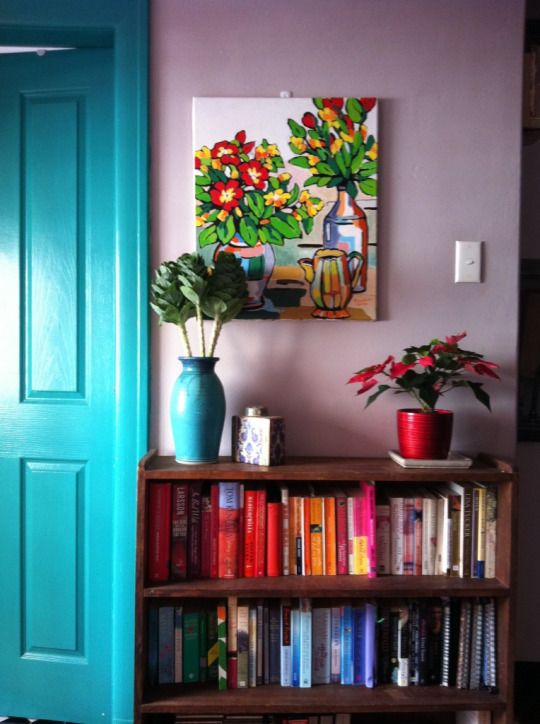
x: 295, y: 646
x: 274, y: 631
x: 166, y: 645
x: 359, y: 643
x: 305, y: 643
x: 370, y: 645
x: 347, y: 666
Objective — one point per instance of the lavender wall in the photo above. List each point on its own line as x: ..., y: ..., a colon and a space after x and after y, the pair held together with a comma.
x: 448, y: 73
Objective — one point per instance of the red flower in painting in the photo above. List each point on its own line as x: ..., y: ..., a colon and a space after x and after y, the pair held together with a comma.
x: 226, y: 152
x: 309, y: 120
x: 241, y: 138
x: 368, y: 103
x: 226, y: 195
x: 253, y: 174
x: 336, y: 103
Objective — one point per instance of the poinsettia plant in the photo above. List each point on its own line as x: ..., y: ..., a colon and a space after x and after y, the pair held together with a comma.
x: 240, y: 188
x: 428, y: 372
x: 335, y: 145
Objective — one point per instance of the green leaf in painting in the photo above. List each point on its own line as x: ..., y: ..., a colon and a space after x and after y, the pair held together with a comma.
x: 202, y: 180
x: 311, y: 181
x: 207, y: 236
x: 368, y: 169
x: 282, y: 227
x: 248, y: 230
x: 351, y: 189
x: 297, y: 130
x: 322, y: 180
x: 357, y: 162
x: 308, y: 225
x: 336, y: 181
x: 324, y: 168
x: 355, y: 110
x: 299, y: 161
x: 341, y: 164
x: 369, y: 187
x: 318, y: 102
x: 273, y: 181
x: 201, y: 195
x: 225, y: 230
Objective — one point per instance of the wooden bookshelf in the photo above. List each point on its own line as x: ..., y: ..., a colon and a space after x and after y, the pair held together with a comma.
x: 432, y: 703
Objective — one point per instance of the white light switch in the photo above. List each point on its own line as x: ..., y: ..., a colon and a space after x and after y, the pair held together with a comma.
x: 468, y: 261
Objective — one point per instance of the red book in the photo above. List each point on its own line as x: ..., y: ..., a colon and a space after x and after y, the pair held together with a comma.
x: 260, y: 534
x: 341, y: 536
x: 229, y: 513
x: 159, y: 531
x: 206, y: 525
x: 250, y: 515
x: 273, y: 540
x: 214, y: 528
x: 194, y: 535
x: 179, y: 542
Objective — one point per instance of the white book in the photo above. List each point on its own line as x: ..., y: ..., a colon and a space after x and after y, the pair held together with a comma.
x: 305, y: 643
x: 442, y: 535
x: 403, y: 678
x: 350, y: 535
x: 429, y: 538
x: 491, y: 531
x: 321, y: 642
x: 396, y: 543
x: 335, y: 645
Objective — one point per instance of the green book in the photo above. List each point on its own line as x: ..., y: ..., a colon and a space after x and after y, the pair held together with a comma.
x: 212, y: 658
x: 222, y: 645
x: 191, y: 647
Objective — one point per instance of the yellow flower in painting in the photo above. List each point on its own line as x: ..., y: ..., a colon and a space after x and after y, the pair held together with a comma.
x: 296, y: 215
x: 202, y: 157
x: 216, y: 163
x: 316, y: 142
x: 201, y: 220
x: 313, y: 171
x: 298, y: 144
x: 304, y: 196
x: 222, y: 215
x: 238, y: 211
x: 262, y: 152
x: 330, y: 116
x: 349, y: 137
x: 276, y: 198
x: 284, y: 176
x: 364, y: 132
x: 335, y: 145
x: 313, y: 206
x: 234, y: 173
x: 373, y: 152
x: 313, y: 160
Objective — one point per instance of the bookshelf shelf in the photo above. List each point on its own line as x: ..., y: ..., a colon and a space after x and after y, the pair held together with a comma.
x: 439, y: 703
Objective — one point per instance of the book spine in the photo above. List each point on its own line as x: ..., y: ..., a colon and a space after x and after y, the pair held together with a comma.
x: 232, y: 640
x: 285, y: 529
x: 252, y: 647
x: 166, y: 645
x: 383, y: 644
x: 403, y: 646
x: 359, y: 645
x: 394, y: 635
x: 418, y: 534
x: 222, y: 646
x: 266, y: 644
x: 203, y: 646
x: 456, y: 550
x: 360, y: 545
x: 242, y: 645
x: 214, y: 530
x: 368, y: 490
x: 273, y: 544
x: 307, y: 563
x: 153, y: 645
x: 476, y: 645
x: 305, y: 643
x: 382, y: 515
x: 330, y: 544
x: 194, y: 534
x: 213, y: 652
x: 298, y: 534
x: 491, y: 531
x: 250, y: 515
x: 241, y: 524
x: 335, y: 645
x: 229, y: 511
x: 342, y: 562
x: 346, y: 659
x: 467, y: 533
x: 442, y: 536
x: 408, y: 536
x: 295, y: 645
x: 429, y: 537
x: 316, y: 535
x: 433, y: 653
x: 350, y: 535
x: 292, y: 536
x: 480, y: 567
x: 159, y: 532
x: 179, y: 532
x: 396, y: 518
x: 260, y: 535
x: 191, y: 650
x: 370, y: 655
x: 274, y: 643
x: 206, y: 524
x: 260, y: 643
x: 321, y: 645
x: 285, y: 638
x: 178, y: 639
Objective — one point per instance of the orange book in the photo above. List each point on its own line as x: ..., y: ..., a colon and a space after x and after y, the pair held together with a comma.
x: 330, y: 541
x: 317, y: 536
x: 306, y: 544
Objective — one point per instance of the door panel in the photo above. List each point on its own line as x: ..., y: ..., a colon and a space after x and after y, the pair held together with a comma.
x: 57, y: 384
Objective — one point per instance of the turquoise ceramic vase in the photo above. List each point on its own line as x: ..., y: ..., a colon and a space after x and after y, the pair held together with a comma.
x: 197, y: 411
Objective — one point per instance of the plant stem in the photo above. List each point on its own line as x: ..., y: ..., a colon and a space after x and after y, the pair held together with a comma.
x: 202, y: 343
x: 218, y: 324
x: 185, y: 339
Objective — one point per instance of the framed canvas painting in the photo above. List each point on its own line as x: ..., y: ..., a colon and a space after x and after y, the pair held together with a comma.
x: 290, y: 187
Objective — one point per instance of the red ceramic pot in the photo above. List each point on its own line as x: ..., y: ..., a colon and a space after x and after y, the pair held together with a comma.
x: 424, y: 435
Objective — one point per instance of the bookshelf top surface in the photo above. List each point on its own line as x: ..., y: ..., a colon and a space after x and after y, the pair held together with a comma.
x: 326, y: 469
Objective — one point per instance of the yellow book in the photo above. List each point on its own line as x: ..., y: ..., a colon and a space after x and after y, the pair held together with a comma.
x: 317, y: 536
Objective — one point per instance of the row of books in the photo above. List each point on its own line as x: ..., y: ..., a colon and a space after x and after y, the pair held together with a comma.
x: 227, y: 530
x: 444, y: 530
x: 241, y: 644
x: 258, y: 719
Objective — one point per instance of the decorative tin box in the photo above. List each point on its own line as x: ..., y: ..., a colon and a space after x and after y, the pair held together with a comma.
x: 258, y: 438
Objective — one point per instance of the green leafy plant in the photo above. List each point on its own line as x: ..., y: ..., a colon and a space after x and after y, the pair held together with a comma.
x: 240, y: 189
x: 428, y: 372
x: 335, y: 146
x: 188, y: 288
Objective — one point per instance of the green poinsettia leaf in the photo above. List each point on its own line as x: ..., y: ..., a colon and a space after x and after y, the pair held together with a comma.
x: 371, y: 399
x: 480, y: 394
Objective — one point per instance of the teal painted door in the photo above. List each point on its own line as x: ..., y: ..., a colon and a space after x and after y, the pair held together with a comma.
x: 57, y: 384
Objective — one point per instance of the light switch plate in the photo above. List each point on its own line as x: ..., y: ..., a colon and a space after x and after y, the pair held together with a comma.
x: 468, y: 261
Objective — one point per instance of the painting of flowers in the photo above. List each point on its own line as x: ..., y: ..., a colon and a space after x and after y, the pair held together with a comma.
x: 290, y: 187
